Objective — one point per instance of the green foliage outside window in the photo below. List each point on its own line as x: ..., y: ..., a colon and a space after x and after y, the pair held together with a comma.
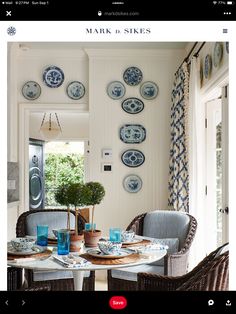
x: 61, y: 169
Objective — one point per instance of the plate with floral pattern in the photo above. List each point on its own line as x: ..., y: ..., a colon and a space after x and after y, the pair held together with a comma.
x: 132, y: 105
x: 116, y: 90
x: 133, y: 158
x: 132, y: 133
x: 31, y: 90
x: 149, y: 90
x: 218, y: 54
x: 75, y: 90
x: 207, y: 66
x: 133, y: 76
x: 132, y: 184
x: 53, y: 76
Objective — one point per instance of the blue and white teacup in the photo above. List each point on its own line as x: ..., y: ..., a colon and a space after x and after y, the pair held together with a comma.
x: 109, y: 247
x: 127, y: 236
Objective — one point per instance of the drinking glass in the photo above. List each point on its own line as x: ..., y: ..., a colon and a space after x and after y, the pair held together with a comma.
x: 115, y: 234
x: 42, y: 235
x: 63, y: 242
x: 88, y: 226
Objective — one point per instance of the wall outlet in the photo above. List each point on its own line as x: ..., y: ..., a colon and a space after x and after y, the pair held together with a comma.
x: 106, y: 167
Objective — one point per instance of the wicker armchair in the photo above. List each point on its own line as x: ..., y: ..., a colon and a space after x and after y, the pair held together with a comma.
x: 175, y: 264
x: 14, y: 281
x: 211, y: 274
x: 25, y: 227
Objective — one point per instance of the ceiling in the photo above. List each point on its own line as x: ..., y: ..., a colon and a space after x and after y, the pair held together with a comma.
x: 103, y: 45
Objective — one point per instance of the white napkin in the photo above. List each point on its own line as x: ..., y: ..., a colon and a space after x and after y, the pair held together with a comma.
x: 72, y: 260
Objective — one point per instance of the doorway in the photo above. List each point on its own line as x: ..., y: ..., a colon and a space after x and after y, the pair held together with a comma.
x: 64, y: 163
x: 79, y: 132
x: 217, y: 169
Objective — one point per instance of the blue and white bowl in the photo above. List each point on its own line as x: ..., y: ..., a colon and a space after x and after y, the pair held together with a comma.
x: 109, y: 248
x: 22, y: 244
x: 127, y: 236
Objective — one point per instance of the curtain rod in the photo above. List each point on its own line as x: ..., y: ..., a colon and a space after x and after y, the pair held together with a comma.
x: 186, y: 59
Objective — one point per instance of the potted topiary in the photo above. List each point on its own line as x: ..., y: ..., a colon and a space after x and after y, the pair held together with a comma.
x: 61, y: 196
x: 97, y: 193
x: 78, y: 194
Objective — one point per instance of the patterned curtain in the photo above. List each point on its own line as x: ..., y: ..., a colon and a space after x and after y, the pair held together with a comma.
x: 178, y: 168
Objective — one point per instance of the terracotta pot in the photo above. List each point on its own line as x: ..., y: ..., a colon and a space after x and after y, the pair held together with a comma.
x: 91, y: 237
x: 76, y: 242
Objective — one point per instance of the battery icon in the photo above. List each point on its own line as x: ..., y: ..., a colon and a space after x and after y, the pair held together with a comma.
x: 229, y: 2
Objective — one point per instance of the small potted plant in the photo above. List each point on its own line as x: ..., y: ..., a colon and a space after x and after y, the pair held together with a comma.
x: 97, y: 193
x: 78, y: 194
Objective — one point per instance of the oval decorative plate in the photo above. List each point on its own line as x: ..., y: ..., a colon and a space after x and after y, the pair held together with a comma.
x: 31, y: 90
x: 218, y: 54
x: 53, y: 77
x: 227, y: 46
x: 132, y: 105
x: 207, y: 66
x: 75, y: 90
x: 132, y: 183
x: 116, y: 90
x: 133, y: 158
x: 133, y: 76
x: 149, y: 90
x: 132, y: 133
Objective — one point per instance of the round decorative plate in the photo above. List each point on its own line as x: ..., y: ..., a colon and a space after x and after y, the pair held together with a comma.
x: 134, y: 241
x: 132, y: 105
x: 149, y: 90
x: 132, y: 133
x: 133, y: 158
x: 116, y: 90
x: 133, y: 76
x: 218, y: 54
x: 207, y: 66
x: 132, y: 184
x: 53, y: 77
x: 75, y: 90
x: 98, y: 253
x: 31, y: 90
x: 227, y: 46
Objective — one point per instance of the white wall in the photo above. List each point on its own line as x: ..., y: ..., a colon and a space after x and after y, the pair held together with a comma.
x: 107, y: 116
x: 96, y: 69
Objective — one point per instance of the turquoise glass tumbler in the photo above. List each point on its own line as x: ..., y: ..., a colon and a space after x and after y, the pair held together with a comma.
x: 88, y: 226
x: 42, y: 235
x: 115, y: 234
x: 63, y: 242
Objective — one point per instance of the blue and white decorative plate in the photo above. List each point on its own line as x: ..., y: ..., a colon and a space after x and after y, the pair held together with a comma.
x: 132, y: 183
x: 149, y: 90
x: 218, y: 54
x: 132, y: 105
x: 207, y: 66
x: 133, y: 158
x: 75, y: 90
x: 116, y: 90
x: 31, y: 90
x: 53, y: 77
x: 133, y: 76
x: 132, y: 133
x: 227, y: 46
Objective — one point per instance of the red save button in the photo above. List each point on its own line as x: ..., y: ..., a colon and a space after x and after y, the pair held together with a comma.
x: 118, y: 302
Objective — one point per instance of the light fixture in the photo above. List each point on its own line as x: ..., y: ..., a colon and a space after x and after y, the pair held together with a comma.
x: 50, y: 129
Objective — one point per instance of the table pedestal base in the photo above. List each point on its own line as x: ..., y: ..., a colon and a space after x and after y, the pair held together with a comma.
x: 78, y: 279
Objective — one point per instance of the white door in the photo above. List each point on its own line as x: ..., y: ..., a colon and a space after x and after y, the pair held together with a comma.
x: 217, y: 171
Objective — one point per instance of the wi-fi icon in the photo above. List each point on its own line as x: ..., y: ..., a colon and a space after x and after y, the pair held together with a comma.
x: 214, y: 2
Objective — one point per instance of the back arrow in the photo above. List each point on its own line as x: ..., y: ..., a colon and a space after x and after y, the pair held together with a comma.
x: 6, y: 302
x: 23, y: 302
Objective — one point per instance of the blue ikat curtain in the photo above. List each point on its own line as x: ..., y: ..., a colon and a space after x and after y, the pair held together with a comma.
x: 178, y: 167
